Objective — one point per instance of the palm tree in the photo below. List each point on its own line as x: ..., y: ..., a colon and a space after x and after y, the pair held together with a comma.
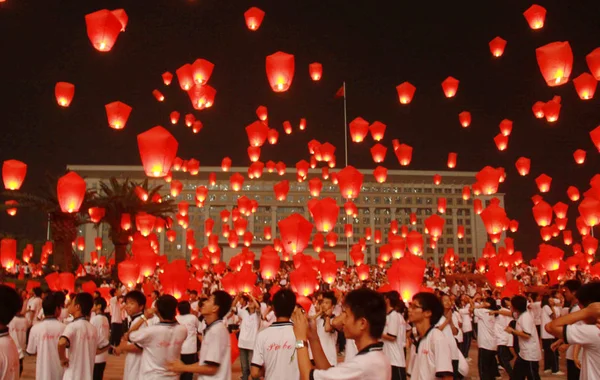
x: 118, y: 198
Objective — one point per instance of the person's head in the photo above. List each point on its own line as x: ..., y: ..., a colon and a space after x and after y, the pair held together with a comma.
x: 51, y: 306
x: 446, y: 301
x: 36, y: 292
x: 11, y: 304
x: 589, y: 293
x: 329, y: 301
x: 99, y: 305
x: 166, y: 306
x: 97, y: 294
x: 284, y: 302
x: 425, y: 306
x: 218, y: 305
x: 546, y: 300
x: 518, y: 304
x: 155, y: 294
x: 364, y: 313
x: 60, y: 299
x: 184, y: 307
x: 81, y: 306
x: 505, y: 302
x: 135, y: 301
x: 534, y: 296
x: 490, y: 303
x: 570, y: 288
x: 112, y: 292
x: 392, y: 299
x: 266, y: 298
x: 193, y: 295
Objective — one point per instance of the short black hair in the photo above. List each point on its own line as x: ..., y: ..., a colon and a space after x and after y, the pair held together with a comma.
x: 519, y: 303
x: 166, y: 305
x: 59, y: 298
x: 100, y: 301
x: 589, y: 293
x: 50, y: 304
x: 267, y: 298
x: 393, y: 297
x: 370, y: 305
x: 504, y: 302
x: 156, y: 293
x: 37, y: 291
x: 194, y: 291
x: 136, y: 296
x: 11, y: 304
x: 430, y: 302
x: 112, y: 292
x: 330, y: 296
x: 284, y: 302
x: 223, y: 301
x: 85, y: 302
x: 573, y: 285
x: 184, y: 307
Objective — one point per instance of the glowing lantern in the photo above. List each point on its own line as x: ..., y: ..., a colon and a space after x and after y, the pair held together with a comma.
x: 593, y: 62
x: 145, y: 223
x: 96, y: 214
x: 466, y: 193
x: 404, y: 154
x: 304, y: 280
x: 560, y: 209
x: 590, y: 245
x: 261, y: 113
x: 125, y: 222
x: 552, y: 111
x: 117, y: 114
x: 281, y: 190
x: 158, y: 149
x: 555, y: 61
x: 331, y: 238
x: 585, y: 85
x: 494, y: 219
x: 272, y: 136
x: 506, y: 127
x: 302, y: 168
x: 573, y: 193
x: 11, y: 211
x: 64, y: 92
x: 460, y: 232
x: 197, y: 126
x: 501, y: 142
x: 406, y: 276
x: 280, y: 71
x: 176, y: 187
x: 201, y: 71
x: 316, y: 72
x: 595, y: 136
x: 70, y: 192
x: 350, y: 209
x: 535, y: 16
x: 185, y: 76
x: 324, y: 213
x: 378, y: 152
x: 8, y: 253
x: 542, y: 212
x: 406, y: 92
x: 441, y: 205
x: 437, y: 179
x: 295, y: 233
x: 579, y: 156
x: 103, y: 28
x: 350, y: 182
x: 538, y: 110
x: 414, y: 242
x: 359, y: 128
x: 377, y: 236
x: 254, y: 17
x: 287, y: 127
x: 464, y: 118
x: 158, y: 95
x: 377, y: 130
x: 452, y: 160
x: 543, y: 183
x: 167, y: 79
x: 269, y: 263
x: 315, y: 185
x: 497, y: 46
x: 523, y: 165
x: 380, y: 174
x: 477, y: 206
x: 489, y: 179
x: 13, y: 174
x: 257, y: 133
x: 202, y: 96
x: 450, y: 86
x: 589, y: 209
x: 435, y: 226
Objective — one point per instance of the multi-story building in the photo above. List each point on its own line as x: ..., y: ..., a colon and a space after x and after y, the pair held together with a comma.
x: 403, y: 193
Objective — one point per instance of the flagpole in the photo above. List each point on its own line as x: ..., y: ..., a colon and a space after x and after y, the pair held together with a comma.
x: 346, y: 164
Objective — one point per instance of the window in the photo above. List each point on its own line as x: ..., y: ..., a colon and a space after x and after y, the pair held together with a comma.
x: 461, y: 250
x: 408, y: 200
x: 449, y: 231
x: 449, y: 240
x: 468, y: 222
x: 469, y: 250
x: 469, y: 240
x: 419, y: 201
x: 447, y: 191
x: 428, y: 190
x: 468, y: 231
x: 437, y: 190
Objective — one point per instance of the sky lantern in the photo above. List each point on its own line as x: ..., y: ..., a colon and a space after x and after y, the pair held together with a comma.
x: 377, y: 130
x: 378, y: 152
x: 466, y: 193
x: 552, y: 111
x: 201, y: 193
x: 324, y: 213
x: 202, y: 70
x: 257, y: 133
x: 477, y: 206
x: 595, y: 136
x: 70, y: 191
x: 171, y: 235
x: 414, y: 243
x: 262, y: 113
x: 8, y: 253
x: 202, y: 96
x: 280, y: 71
x: 350, y: 209
x: 535, y: 16
x: 542, y: 212
x: 497, y: 46
x: 513, y: 225
x: 11, y: 211
x: 287, y: 127
x: 437, y: 179
x: 302, y: 168
x: 593, y: 62
x: 254, y: 17
x: 561, y: 223
x: 585, y: 85
x: 464, y: 118
x: 174, y: 117
x: 64, y: 92
x: 506, y: 126
x: 125, y: 222
x: 406, y: 92
x: 273, y: 136
x: 435, y: 225
x: 315, y: 70
x: 538, y: 109
x: 315, y: 185
x: 269, y: 263
x: 494, y: 219
x: 176, y: 188
x: 96, y: 214
x: 350, y: 182
x: 281, y: 190
x: 122, y: 16
x: 295, y: 233
x: 555, y: 61
x: 452, y: 160
x: 103, y: 28
x: 304, y: 280
x: 501, y: 142
x: 185, y: 76
x: 158, y: 149
x: 237, y: 181
x: 404, y: 154
x: 359, y: 128
x: 450, y: 86
x: 167, y: 78
x: 573, y: 193
x: 523, y: 165
x: 189, y: 119
x: 128, y: 272
x: 441, y: 205
x: 13, y: 174
x: 80, y: 243
x: 380, y: 174
x: 543, y: 182
x: 144, y: 223
x: 489, y: 179
x: 331, y: 238
x: 589, y: 209
x: 460, y: 232
x: 579, y: 156
x: 560, y: 209
x: 280, y: 167
x: 226, y: 164
x: 117, y: 114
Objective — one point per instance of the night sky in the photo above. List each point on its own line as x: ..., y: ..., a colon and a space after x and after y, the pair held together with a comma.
x: 372, y: 48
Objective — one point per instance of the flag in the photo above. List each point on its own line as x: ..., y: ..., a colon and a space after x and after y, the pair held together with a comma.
x: 341, y: 93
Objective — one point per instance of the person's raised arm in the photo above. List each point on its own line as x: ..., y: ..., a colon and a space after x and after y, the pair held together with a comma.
x: 590, y: 314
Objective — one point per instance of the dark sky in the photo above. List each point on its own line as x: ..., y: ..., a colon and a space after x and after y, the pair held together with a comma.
x: 372, y: 47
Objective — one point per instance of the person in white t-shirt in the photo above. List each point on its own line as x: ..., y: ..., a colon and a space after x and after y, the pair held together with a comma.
x: 527, y: 364
x: 43, y: 340
x: 550, y: 356
x: 116, y: 320
x: 394, y: 336
x: 9, y: 355
x: 504, y: 340
x: 17, y: 329
x: 363, y: 319
x: 535, y: 307
x: 189, y: 349
x: 573, y: 354
x: 194, y: 302
x: 34, y: 305
x: 464, y: 309
x: 215, y: 354
x: 274, y: 355
x: 100, y: 322
x: 327, y: 333
x: 81, y: 340
x: 135, y: 302
x: 486, y: 340
x: 161, y: 343
x: 249, y: 314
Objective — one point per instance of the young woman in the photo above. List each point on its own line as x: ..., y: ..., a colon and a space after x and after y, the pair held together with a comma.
x: 550, y: 356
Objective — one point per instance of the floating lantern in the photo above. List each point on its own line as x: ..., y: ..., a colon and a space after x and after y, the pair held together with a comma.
x: 555, y: 61
x: 280, y: 71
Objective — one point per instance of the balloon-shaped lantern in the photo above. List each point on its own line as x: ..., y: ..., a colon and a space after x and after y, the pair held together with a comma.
x: 497, y: 46
x: 64, y: 92
x: 450, y: 86
x: 254, y: 17
x: 535, y: 16
x: 280, y: 71
x: 13, y: 174
x: 315, y: 70
x: 103, y: 28
x: 555, y: 61
x: 117, y: 114
x: 70, y: 192
x: 406, y: 92
x: 158, y: 149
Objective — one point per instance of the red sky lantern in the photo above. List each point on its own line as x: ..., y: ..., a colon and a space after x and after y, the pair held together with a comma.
x: 350, y: 208
x: 158, y: 149
x: 573, y: 193
x: 593, y: 62
x: 117, y: 114
x: 304, y: 280
x: 315, y: 185
x: 295, y: 233
x: 281, y: 190
x: 226, y: 164
x: 595, y: 136
x: 497, y: 46
x: 316, y: 71
x: 494, y: 219
x: 70, y: 191
x: 460, y: 232
x: 174, y: 116
x: 506, y: 127
x: 412, y: 218
x: 452, y: 160
x: 555, y: 61
x: 437, y: 179
x: 269, y: 263
x: 538, y: 109
x: 13, y: 174
x: 202, y: 96
x: 236, y: 180
x: 466, y: 193
x: 380, y: 174
x: 589, y: 209
x: 287, y: 127
x: 535, y: 16
x: 585, y: 85
x: 185, y: 76
x: 543, y: 182
x: 8, y: 253
x: 513, y: 226
x: 404, y: 154
x: 167, y: 78
x: 96, y: 214
x: 272, y: 136
x: 359, y: 128
x: 406, y: 92
x: 64, y: 92
x: 489, y: 178
x: 280, y: 166
x: 145, y: 223
x: 350, y: 181
x: 11, y: 211
x: 324, y: 213
x: 477, y: 206
x: 552, y: 111
x: 377, y: 130
x: 122, y: 16
x: 125, y: 222
x: 464, y: 118
x: 523, y: 166
x: 280, y: 71
x: 331, y: 238
x: 254, y: 17
x: 501, y: 142
x: 262, y: 113
x: 560, y: 209
x: 441, y: 205
x: 202, y: 70
x: 103, y: 28
x: 257, y: 133
x: 450, y: 86
x: 542, y: 212
x: 435, y: 225
x: 378, y: 152
x: 176, y: 188
x: 579, y: 156
x: 414, y: 243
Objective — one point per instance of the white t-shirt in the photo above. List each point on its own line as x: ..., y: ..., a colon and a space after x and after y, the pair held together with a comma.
x: 248, y: 328
x: 369, y: 364
x: 351, y: 349
x: 160, y: 344
x: 133, y: 360
x: 587, y: 336
x: 81, y: 349
x: 191, y: 323
x: 467, y: 320
x: 43, y: 340
x: 9, y: 357
x: 216, y: 350
x: 270, y: 318
x: 456, y: 318
x: 34, y: 305
x: 115, y: 310
x: 502, y: 337
x: 430, y: 357
x: 100, y: 322
x: 17, y: 329
x: 529, y: 349
x: 275, y: 350
x: 536, y: 311
x: 454, y: 351
x: 546, y: 318
x: 571, y: 349
x: 395, y: 326
x: 485, y: 329
x: 328, y: 340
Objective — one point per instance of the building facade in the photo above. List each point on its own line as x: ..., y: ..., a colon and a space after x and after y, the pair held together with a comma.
x: 403, y: 193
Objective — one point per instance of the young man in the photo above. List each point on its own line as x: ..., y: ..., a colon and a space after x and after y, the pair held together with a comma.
x: 194, y: 302
x: 570, y: 288
x: 504, y: 340
x: 430, y: 356
x: 527, y: 365
x: 363, y: 320
x: 116, y: 321
x: 81, y: 340
x: 274, y: 353
x: 327, y: 333
x: 249, y: 313
x: 17, y: 329
x: 394, y: 336
x: 9, y: 355
x: 100, y: 322
x: 215, y: 353
x: 34, y: 305
x: 189, y: 349
x: 160, y: 343
x: 43, y: 340
x: 135, y: 301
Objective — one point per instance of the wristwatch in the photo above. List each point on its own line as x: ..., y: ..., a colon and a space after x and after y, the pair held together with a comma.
x: 301, y: 344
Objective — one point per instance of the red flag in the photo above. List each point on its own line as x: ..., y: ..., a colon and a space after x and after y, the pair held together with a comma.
x: 341, y: 93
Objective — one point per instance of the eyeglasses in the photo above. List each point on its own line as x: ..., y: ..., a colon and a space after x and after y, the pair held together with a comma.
x: 413, y: 305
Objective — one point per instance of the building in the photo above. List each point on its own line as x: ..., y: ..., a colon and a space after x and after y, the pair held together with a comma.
x: 404, y: 192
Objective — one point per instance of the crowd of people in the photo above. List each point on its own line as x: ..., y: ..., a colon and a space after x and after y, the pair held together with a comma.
x: 347, y: 330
